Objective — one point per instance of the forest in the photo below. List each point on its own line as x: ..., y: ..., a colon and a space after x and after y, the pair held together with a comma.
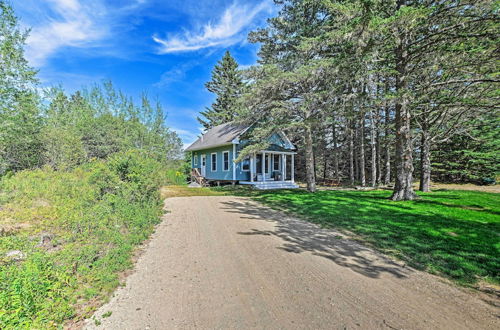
x: 373, y: 92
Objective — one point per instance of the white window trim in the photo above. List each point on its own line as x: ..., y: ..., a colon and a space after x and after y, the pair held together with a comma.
x: 195, y: 159
x: 249, y: 165
x: 212, y: 162
x: 224, y: 163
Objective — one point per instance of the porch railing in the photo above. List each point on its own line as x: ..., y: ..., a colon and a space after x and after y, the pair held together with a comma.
x: 197, y: 177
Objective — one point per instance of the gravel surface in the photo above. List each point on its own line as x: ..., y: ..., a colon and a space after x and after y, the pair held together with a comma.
x: 229, y: 263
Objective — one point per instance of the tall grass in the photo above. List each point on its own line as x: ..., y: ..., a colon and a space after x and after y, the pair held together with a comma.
x: 175, y: 177
x: 69, y: 234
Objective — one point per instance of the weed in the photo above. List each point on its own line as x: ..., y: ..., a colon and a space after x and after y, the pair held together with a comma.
x: 89, y: 220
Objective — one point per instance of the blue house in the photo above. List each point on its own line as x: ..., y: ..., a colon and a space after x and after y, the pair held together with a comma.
x: 214, y: 154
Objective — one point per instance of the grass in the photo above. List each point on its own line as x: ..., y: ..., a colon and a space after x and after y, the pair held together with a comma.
x: 451, y: 233
x: 73, y: 232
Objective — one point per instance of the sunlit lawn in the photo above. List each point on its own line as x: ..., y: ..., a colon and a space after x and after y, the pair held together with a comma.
x: 452, y: 233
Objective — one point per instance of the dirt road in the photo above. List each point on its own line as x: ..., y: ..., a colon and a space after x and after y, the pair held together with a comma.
x: 228, y: 263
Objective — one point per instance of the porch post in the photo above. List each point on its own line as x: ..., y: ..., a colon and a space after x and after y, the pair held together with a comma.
x: 263, y: 163
x: 293, y: 168
x: 234, y: 164
x: 284, y: 167
x: 282, y: 159
x: 252, y: 156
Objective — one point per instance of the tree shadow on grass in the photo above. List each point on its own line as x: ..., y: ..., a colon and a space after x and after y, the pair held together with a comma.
x: 299, y: 236
x: 428, y: 233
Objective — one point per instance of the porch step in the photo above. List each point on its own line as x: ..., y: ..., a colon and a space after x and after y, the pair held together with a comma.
x: 277, y: 185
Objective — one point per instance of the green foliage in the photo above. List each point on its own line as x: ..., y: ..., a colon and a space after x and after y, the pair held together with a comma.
x: 16, y: 75
x: 20, y: 138
x: 19, y: 120
x: 472, y: 157
x: 451, y: 233
x: 425, y: 68
x: 93, y: 217
x: 63, y: 149
x: 227, y: 85
x: 102, y: 121
x: 176, y: 177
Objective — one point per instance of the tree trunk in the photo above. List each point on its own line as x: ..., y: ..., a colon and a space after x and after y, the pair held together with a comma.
x: 362, y: 176
x: 325, y: 164
x: 356, y: 153
x: 425, y: 161
x: 335, y: 154
x: 379, y: 156
x: 387, y: 178
x: 351, y: 155
x: 309, y: 153
x: 403, y: 189
x: 373, y: 150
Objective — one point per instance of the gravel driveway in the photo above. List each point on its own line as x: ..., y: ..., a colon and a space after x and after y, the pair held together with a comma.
x: 229, y: 263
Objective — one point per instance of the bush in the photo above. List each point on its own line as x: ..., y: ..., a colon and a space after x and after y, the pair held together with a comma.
x: 76, y: 230
x: 176, y: 177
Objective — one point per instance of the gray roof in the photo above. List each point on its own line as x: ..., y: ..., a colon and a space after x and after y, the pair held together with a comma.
x: 217, y: 136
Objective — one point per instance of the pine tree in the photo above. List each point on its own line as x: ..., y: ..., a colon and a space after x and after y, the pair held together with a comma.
x: 19, y: 116
x: 227, y: 84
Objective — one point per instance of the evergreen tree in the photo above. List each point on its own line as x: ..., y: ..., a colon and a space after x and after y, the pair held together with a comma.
x: 227, y: 84
x: 19, y: 113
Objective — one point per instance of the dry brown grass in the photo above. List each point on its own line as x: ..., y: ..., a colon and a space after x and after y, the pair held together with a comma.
x: 469, y: 187
x: 185, y: 191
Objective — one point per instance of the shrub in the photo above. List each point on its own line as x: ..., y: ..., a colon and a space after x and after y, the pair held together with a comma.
x: 76, y: 230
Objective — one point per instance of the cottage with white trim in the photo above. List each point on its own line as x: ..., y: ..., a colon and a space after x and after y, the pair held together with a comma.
x: 214, y: 154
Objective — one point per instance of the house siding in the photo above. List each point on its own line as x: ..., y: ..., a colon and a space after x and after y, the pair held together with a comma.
x: 219, y: 173
x: 277, y: 144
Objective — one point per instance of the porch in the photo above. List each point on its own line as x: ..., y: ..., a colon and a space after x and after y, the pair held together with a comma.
x: 270, y: 170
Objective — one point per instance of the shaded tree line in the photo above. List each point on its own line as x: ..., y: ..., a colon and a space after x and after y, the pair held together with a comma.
x: 376, y: 92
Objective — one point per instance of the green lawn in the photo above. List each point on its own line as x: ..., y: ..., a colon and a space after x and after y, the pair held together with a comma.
x: 451, y: 233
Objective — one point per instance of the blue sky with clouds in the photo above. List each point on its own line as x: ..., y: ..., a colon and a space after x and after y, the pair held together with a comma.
x: 164, y: 47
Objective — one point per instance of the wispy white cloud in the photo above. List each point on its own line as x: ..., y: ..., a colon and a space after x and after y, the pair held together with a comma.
x: 72, y: 23
x: 228, y: 30
x: 175, y: 74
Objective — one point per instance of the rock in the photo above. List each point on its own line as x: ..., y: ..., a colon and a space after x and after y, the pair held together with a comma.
x: 45, y: 239
x: 16, y: 255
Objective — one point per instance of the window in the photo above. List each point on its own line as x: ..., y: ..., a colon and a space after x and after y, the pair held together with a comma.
x: 245, y: 164
x: 195, y: 156
x: 214, y: 162
x: 276, y: 162
x: 225, y: 160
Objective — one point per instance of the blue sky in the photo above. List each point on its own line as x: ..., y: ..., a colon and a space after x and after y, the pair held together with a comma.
x: 164, y: 47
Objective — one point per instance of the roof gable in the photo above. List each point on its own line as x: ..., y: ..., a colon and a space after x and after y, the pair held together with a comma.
x: 229, y: 133
x: 280, y: 140
x: 218, y: 136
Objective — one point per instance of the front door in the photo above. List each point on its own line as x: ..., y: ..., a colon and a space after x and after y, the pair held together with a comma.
x: 203, y: 165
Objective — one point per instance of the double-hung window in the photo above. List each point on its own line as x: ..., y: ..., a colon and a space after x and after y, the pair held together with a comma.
x: 245, y: 166
x: 214, y: 162
x: 225, y: 161
x: 195, y: 156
